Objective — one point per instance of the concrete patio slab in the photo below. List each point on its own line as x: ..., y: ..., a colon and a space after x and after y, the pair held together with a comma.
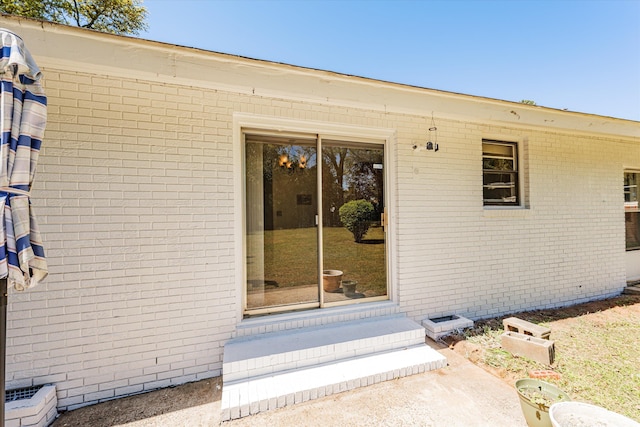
x: 460, y: 395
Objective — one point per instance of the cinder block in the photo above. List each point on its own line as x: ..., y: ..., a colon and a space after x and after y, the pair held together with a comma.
x: 35, y: 411
x: 513, y: 324
x: 440, y: 326
x: 537, y: 349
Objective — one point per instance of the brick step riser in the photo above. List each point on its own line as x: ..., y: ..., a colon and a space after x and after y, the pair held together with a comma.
x: 274, y: 392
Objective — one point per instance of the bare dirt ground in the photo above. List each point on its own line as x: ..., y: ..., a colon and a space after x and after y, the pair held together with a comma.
x: 563, y: 320
x: 197, y: 404
x: 192, y: 404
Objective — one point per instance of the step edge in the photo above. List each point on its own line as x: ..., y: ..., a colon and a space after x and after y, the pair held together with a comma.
x: 390, y: 340
x: 289, y: 336
x: 324, y: 316
x: 244, y: 368
x: 355, y: 358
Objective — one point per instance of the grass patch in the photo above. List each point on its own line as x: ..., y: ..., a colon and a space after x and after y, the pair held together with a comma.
x: 597, y: 351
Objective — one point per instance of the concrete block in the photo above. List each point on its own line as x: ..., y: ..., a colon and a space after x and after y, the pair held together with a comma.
x: 440, y: 326
x: 537, y: 349
x: 513, y: 324
x: 36, y: 411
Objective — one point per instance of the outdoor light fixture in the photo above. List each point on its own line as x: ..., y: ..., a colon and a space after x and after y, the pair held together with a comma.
x: 432, y: 143
x: 432, y: 138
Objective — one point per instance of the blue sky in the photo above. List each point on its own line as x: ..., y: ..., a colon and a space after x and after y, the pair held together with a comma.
x: 580, y: 55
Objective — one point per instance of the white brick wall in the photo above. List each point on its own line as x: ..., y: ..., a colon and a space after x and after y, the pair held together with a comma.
x: 135, y: 199
x: 567, y: 247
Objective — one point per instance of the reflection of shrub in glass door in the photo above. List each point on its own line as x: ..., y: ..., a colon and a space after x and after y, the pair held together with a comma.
x: 356, y: 217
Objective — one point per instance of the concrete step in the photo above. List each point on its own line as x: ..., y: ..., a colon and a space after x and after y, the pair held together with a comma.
x: 265, y: 354
x: 244, y: 398
x: 282, y: 368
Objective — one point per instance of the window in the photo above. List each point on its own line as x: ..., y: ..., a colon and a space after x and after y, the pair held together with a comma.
x: 631, y: 210
x: 500, y: 173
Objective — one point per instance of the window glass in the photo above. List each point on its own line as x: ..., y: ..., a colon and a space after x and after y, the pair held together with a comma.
x: 632, y: 211
x: 497, y: 149
x: 631, y: 188
x: 500, y: 173
x: 498, y: 164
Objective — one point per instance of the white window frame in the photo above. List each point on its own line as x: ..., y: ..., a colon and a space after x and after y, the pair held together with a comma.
x: 266, y: 124
x: 519, y: 202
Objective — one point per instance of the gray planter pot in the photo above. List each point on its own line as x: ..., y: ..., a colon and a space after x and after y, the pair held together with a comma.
x: 535, y: 399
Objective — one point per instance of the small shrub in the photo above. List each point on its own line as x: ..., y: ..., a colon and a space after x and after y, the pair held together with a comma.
x: 356, y: 217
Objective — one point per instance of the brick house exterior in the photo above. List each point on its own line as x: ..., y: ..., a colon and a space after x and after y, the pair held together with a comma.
x: 139, y: 195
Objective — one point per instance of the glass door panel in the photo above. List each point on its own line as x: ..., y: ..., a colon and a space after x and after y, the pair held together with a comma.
x: 353, y: 235
x: 281, y: 233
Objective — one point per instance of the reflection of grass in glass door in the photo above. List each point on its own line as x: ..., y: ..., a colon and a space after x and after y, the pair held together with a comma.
x: 363, y: 262
x: 290, y: 257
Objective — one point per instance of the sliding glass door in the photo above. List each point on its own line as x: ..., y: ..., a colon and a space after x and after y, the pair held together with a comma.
x: 353, y: 238
x: 314, y: 222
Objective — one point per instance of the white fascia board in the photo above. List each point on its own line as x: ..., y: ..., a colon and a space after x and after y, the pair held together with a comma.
x: 63, y: 47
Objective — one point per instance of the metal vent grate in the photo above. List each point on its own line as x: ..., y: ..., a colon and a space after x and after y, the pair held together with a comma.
x: 21, y: 393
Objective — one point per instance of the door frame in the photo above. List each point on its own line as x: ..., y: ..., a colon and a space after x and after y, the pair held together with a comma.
x: 267, y: 124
